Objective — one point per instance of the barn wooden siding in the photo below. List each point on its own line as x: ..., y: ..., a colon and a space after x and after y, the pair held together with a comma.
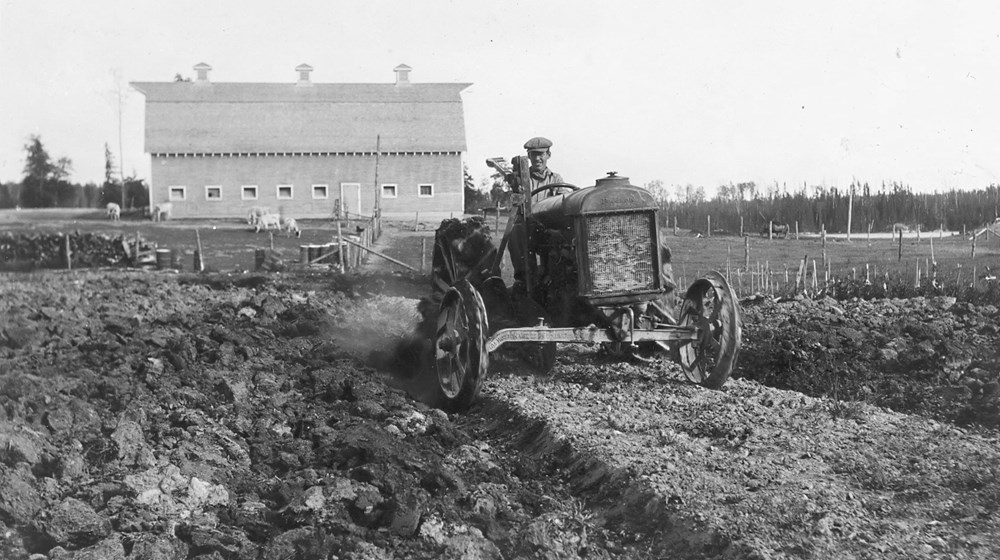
x: 231, y: 135
x: 232, y: 172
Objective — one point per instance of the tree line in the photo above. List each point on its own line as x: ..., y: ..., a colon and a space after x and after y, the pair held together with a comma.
x: 46, y: 184
x: 827, y: 208
x: 811, y: 208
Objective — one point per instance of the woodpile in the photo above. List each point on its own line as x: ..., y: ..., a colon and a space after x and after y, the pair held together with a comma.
x: 27, y: 251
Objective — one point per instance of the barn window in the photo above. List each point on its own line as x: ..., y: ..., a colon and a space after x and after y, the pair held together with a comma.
x: 213, y: 192
x: 425, y: 190
x: 321, y: 191
x: 177, y: 193
x: 388, y: 191
x: 284, y: 192
x: 249, y: 192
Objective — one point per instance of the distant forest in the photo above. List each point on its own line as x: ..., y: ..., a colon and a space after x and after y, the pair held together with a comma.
x: 828, y: 207
x: 32, y: 193
x: 46, y: 184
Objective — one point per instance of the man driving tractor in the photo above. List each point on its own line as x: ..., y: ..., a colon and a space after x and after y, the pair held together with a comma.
x: 539, y: 152
x: 591, y: 265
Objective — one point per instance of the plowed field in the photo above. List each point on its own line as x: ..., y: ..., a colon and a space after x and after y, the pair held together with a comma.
x: 169, y: 416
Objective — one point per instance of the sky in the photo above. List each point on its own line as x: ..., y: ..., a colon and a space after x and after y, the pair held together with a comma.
x: 702, y: 93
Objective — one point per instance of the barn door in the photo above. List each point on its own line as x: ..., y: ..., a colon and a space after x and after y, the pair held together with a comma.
x: 350, y: 198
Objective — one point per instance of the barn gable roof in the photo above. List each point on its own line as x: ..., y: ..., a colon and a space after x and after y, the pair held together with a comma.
x: 199, y: 117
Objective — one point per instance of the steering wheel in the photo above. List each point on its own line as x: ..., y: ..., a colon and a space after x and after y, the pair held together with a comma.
x: 555, y: 186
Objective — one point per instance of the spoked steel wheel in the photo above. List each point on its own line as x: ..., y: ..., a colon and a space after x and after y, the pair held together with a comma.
x: 710, y: 307
x: 460, y: 356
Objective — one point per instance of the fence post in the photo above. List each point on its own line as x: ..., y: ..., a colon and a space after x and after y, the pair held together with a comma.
x: 675, y: 224
x: 850, y: 211
x: 770, y: 230
x: 823, y: 237
x: 900, y: 256
x: 423, y: 253
x: 69, y: 253
x: 746, y: 253
x: 741, y: 226
x: 352, y: 256
x: 796, y: 230
x: 199, y: 264
x: 340, y: 247
x: 708, y: 232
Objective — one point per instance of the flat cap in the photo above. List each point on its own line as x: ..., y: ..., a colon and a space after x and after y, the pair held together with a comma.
x: 537, y: 143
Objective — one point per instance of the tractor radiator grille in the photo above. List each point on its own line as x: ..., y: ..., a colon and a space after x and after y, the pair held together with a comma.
x: 620, y: 253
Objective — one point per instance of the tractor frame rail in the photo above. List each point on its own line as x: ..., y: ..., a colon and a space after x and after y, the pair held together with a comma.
x: 588, y: 335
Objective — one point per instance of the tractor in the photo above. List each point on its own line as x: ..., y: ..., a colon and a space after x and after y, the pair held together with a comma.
x: 598, y: 271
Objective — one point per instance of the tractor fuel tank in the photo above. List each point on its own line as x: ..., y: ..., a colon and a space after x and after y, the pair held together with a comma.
x: 611, y: 194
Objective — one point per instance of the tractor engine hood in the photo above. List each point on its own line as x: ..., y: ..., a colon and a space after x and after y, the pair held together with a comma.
x: 611, y: 194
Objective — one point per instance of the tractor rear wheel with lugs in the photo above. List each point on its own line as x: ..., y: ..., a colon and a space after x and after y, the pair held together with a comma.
x: 460, y: 357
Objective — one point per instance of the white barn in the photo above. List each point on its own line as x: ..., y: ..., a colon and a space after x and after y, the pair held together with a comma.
x: 307, y: 149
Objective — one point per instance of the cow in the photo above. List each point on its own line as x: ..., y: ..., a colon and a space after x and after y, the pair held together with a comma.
x: 291, y: 226
x: 777, y: 230
x: 162, y: 211
x: 268, y: 221
x: 255, y: 213
x: 114, y: 211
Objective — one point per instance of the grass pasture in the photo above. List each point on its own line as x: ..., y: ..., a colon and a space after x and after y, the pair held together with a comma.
x: 227, y: 245
x: 753, y: 264
x: 759, y: 265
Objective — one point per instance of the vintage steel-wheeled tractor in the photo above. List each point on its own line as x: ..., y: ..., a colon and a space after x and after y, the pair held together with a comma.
x: 597, y: 271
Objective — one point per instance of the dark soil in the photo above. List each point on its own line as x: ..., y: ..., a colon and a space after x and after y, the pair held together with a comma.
x: 170, y: 416
x: 164, y: 416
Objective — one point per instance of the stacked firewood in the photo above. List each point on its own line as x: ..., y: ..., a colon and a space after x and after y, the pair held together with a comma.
x: 20, y: 251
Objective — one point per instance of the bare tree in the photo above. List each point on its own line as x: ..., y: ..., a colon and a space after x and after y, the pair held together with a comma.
x: 118, y: 97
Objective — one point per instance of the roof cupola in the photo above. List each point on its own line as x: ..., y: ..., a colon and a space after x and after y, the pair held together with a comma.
x: 402, y: 75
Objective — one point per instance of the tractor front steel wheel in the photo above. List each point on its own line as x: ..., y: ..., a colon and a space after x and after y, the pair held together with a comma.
x: 460, y: 357
x: 710, y: 307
